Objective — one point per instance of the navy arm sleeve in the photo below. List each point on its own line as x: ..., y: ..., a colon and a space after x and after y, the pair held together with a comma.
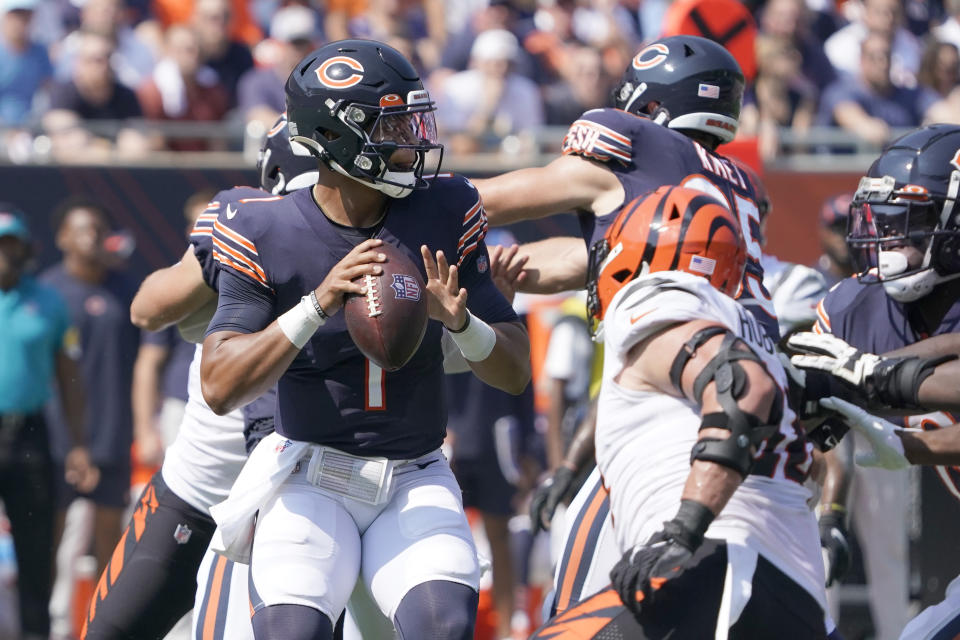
x: 243, y: 306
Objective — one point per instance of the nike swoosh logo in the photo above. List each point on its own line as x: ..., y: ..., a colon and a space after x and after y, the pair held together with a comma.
x: 634, y: 319
x: 426, y: 464
x: 230, y: 212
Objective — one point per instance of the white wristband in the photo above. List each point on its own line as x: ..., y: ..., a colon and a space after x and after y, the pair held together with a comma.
x: 477, y: 340
x: 300, y: 323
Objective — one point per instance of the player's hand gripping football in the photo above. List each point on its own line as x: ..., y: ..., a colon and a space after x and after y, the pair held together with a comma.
x: 643, y: 570
x: 446, y: 300
x: 362, y: 260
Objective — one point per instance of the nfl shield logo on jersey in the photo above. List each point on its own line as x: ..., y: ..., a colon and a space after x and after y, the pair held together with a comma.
x: 405, y: 287
x: 182, y: 534
x: 483, y: 264
x: 282, y: 446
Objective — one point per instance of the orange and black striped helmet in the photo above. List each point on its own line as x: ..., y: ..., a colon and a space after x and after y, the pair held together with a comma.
x: 670, y: 229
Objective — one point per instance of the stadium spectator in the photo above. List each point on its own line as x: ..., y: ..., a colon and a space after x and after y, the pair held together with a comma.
x: 949, y: 30
x: 24, y: 65
x: 489, y: 101
x: 293, y: 34
x: 884, y: 18
x: 781, y: 96
x: 871, y: 105
x: 181, y: 89
x: 92, y: 93
x: 132, y: 59
x: 584, y: 86
x: 242, y: 28
x: 940, y: 68
x: 98, y: 300
x: 791, y: 19
x: 37, y: 342
x: 499, y: 14
x: 228, y: 57
x: 417, y: 27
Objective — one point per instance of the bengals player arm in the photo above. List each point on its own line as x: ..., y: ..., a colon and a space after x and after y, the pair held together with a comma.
x: 709, y: 483
x: 171, y: 294
x: 568, y: 184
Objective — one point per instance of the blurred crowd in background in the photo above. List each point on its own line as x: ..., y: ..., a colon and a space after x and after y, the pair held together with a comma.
x: 500, y: 70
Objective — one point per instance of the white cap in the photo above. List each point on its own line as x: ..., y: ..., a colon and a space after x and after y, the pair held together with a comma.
x: 13, y: 5
x: 293, y: 23
x: 495, y: 44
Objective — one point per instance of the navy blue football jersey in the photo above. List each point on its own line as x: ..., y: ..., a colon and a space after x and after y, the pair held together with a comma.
x: 201, y: 236
x: 867, y: 318
x: 276, y: 249
x: 644, y: 156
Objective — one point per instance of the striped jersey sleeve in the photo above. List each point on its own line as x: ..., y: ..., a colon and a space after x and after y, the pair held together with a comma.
x: 474, y: 229
x: 594, y: 136
x: 201, y: 235
x: 232, y: 250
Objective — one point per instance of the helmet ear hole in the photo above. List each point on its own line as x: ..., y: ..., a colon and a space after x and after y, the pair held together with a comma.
x: 688, y: 50
x: 622, y: 275
x: 674, y: 213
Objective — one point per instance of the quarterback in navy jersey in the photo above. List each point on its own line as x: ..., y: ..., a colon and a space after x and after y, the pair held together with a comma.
x: 353, y: 484
x: 678, y: 100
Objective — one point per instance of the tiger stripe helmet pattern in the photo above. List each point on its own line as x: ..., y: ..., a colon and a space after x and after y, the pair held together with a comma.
x: 669, y: 229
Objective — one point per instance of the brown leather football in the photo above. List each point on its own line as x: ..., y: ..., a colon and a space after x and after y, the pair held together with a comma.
x: 388, y: 323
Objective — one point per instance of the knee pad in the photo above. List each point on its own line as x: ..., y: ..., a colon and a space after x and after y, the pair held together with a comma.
x: 437, y: 610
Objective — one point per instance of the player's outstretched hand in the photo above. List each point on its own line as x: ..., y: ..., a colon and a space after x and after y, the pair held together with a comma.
x: 883, y: 436
x: 506, y: 269
x: 362, y: 260
x: 548, y: 495
x: 643, y: 570
x: 834, y: 545
x: 447, y: 301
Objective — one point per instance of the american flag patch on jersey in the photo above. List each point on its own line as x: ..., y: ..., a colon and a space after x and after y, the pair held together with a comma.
x: 405, y: 287
x: 703, y: 265
x: 708, y: 91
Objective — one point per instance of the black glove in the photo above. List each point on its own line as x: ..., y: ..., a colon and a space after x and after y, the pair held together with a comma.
x: 834, y: 544
x: 548, y: 495
x: 643, y: 570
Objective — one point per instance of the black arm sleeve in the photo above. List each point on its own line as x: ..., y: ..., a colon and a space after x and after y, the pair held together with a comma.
x: 243, y: 306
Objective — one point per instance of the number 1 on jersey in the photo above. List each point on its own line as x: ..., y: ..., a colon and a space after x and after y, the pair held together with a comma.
x: 374, y: 392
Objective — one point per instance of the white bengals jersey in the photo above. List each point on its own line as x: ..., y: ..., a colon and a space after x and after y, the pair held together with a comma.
x: 205, y: 459
x: 795, y: 291
x: 644, y: 439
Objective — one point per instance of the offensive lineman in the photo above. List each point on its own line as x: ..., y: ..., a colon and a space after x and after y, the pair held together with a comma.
x: 360, y: 107
x: 702, y: 455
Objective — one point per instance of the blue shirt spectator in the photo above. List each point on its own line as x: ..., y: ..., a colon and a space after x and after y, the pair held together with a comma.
x: 24, y: 64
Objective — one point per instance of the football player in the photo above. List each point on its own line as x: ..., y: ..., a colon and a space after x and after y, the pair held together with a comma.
x: 904, y: 235
x: 151, y: 579
x: 395, y: 518
x: 696, y: 441
x: 678, y: 100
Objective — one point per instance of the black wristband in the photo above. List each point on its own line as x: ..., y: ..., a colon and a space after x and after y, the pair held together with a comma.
x: 316, y: 305
x: 690, y: 524
x: 896, y: 381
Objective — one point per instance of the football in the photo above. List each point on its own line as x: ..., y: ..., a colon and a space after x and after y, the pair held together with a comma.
x: 388, y: 323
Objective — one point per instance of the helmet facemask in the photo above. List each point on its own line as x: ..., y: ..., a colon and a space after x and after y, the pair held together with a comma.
x: 384, y: 147
x: 895, y: 234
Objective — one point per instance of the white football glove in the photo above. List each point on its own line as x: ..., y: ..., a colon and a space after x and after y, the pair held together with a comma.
x: 834, y: 356
x: 882, y: 435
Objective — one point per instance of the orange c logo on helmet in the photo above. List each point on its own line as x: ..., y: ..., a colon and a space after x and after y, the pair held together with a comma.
x: 340, y: 72
x: 390, y: 100
x: 644, y: 60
